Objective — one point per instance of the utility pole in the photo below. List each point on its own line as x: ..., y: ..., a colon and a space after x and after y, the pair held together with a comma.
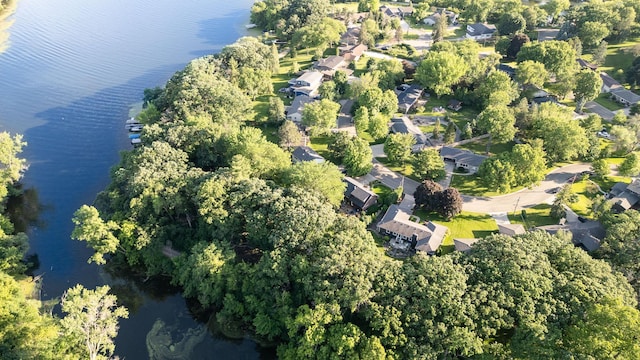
x: 516, y: 207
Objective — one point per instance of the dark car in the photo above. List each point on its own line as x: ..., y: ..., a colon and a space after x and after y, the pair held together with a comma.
x: 581, y: 219
x: 553, y: 190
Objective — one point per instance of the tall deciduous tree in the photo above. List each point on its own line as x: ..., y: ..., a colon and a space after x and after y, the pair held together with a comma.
x: 631, y: 165
x: 440, y: 28
x: 398, y: 147
x: 531, y: 73
x: 96, y: 232
x: 361, y: 120
x: 563, y: 137
x: 440, y: 70
x: 321, y: 115
x: 426, y: 195
x: 498, y: 174
x: 289, y: 134
x: 428, y: 165
x: 92, y: 318
x: 499, y: 123
x: 497, y: 89
x: 529, y: 162
x: 276, y: 109
x: 325, y: 178
x: 378, y: 125
x: 358, y: 157
x: 588, y: 85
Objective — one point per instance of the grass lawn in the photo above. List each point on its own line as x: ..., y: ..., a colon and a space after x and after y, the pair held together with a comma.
x: 618, y: 56
x: 480, y: 147
x: 586, y: 191
x: 607, y: 183
x: 604, y: 100
x: 535, y: 216
x: 465, y: 225
x: 460, y: 118
x: 406, y: 170
x: 320, y: 144
x: 472, y: 185
x: 269, y: 130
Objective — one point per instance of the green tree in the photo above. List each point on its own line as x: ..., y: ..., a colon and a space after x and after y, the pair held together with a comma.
x: 289, y: 134
x: 592, y: 32
x: 12, y: 167
x: 531, y: 73
x: 361, y: 120
x: 358, y: 157
x: 428, y: 165
x: 600, y: 168
x: 436, y: 129
x: 499, y: 123
x: 92, y: 318
x: 338, y: 142
x: 440, y: 29
x: 378, y: 126
x: 557, y: 56
x: 511, y: 23
x: 325, y: 178
x: 587, y: 87
x: 96, y: 232
x: 450, y: 133
x: 498, y: 174
x: 529, y: 163
x: 626, y: 139
x: 368, y: 5
x: 276, y: 109
x: 497, y: 89
x: 389, y: 72
x: 440, y: 70
x: 398, y: 147
x: 328, y: 90
x: 563, y: 137
x: 321, y: 115
x: 563, y: 198
x: 255, y: 82
x: 630, y: 166
x: 555, y: 7
x: 427, y: 195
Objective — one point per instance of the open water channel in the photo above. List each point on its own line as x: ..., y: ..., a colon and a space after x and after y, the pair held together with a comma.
x: 71, y: 74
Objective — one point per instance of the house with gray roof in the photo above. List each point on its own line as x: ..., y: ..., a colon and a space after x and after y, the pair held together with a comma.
x: 511, y: 229
x: 608, y: 83
x: 305, y: 153
x: 464, y: 245
x: 399, y: 12
x: 307, y: 83
x: 426, y: 238
x: 294, y: 111
x: 480, y: 31
x: 624, y: 96
x: 408, y: 98
x: 403, y: 125
x: 358, y: 195
x: 624, y: 197
x: 587, y: 235
x: 353, y: 52
x: 462, y: 158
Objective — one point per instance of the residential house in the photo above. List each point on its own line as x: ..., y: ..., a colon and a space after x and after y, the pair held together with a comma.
x: 625, y: 197
x: 462, y: 158
x: 547, y: 34
x: 464, y: 245
x: 353, y: 52
x: 294, y: 112
x: 586, y: 65
x: 624, y: 96
x: 351, y: 36
x: 408, y: 98
x: 587, y: 235
x: 544, y: 99
x: 480, y: 31
x: 345, y: 119
x: 454, y: 105
x: 305, y: 153
x: 358, y: 196
x: 452, y: 17
x: 307, y: 83
x: 608, y: 83
x: 399, y: 12
x: 426, y: 238
x: 511, y: 229
x: 509, y: 70
x: 403, y: 125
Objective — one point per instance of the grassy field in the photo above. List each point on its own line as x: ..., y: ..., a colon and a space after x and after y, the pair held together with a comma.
x: 320, y: 144
x: 465, y: 225
x: 472, y: 185
x: 480, y: 147
x: 618, y: 56
x: 535, y: 216
x: 586, y: 191
x: 406, y: 170
x: 460, y: 118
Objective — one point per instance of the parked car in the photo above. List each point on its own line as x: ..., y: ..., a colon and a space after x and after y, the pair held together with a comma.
x: 581, y: 219
x: 604, y: 134
x: 553, y: 190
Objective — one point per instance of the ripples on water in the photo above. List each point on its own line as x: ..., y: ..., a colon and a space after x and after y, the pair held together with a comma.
x: 67, y: 82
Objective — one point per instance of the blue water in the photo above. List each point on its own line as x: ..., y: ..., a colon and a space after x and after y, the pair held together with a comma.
x: 71, y: 73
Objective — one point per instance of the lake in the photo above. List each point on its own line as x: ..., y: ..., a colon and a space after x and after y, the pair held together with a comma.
x: 71, y: 74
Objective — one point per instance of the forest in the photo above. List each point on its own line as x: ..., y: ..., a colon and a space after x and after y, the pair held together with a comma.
x: 262, y: 245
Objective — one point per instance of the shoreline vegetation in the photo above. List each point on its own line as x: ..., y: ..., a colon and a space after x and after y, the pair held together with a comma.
x: 262, y: 244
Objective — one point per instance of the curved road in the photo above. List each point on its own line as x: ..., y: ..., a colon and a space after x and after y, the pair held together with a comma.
x: 495, y: 204
x: 527, y: 197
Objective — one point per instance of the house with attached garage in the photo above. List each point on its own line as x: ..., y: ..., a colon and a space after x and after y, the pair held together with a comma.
x: 294, y: 111
x: 609, y: 83
x: 624, y: 96
x: 403, y: 125
x: 307, y: 83
x: 480, y: 31
x: 426, y: 238
x: 408, y: 98
x: 624, y: 197
x: 358, y: 195
x: 305, y: 153
x: 462, y: 158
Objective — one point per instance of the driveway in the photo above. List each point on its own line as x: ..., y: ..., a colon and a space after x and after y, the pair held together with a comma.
x: 524, y: 198
x: 596, y: 108
x: 392, y: 179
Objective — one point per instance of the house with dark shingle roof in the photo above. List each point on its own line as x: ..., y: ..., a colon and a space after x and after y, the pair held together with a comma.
x: 409, y: 97
x: 609, y: 83
x: 359, y: 196
x: 403, y: 125
x: 624, y: 196
x: 305, y: 153
x: 480, y: 31
x: 426, y: 238
x: 624, y: 96
x: 331, y: 63
x: 586, y: 65
x: 585, y: 235
x: 294, y: 111
x: 462, y: 158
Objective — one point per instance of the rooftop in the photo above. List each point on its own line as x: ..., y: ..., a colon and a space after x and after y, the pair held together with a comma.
x: 428, y: 237
x: 480, y: 29
x: 305, y: 153
x: 626, y: 95
x: 462, y: 156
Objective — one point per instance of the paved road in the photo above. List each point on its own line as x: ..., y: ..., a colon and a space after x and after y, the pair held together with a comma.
x: 596, y: 108
x: 524, y: 198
